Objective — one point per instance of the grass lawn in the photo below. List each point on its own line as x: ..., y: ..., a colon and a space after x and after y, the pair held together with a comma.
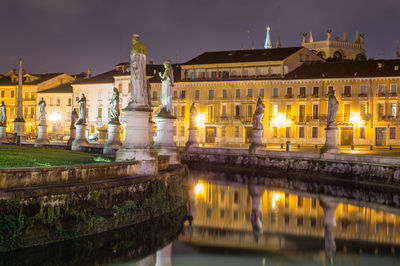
x: 20, y: 156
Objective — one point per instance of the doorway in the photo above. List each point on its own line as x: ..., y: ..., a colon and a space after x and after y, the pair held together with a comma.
x: 346, y: 136
x: 380, y: 136
x: 211, y: 133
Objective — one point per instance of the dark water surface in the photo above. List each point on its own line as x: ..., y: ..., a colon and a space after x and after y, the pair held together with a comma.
x: 246, y: 218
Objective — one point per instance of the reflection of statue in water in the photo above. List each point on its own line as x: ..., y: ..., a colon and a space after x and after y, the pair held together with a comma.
x: 138, y: 74
x: 114, y: 107
x: 42, y: 111
x: 193, y: 115
x: 258, y: 115
x: 329, y: 208
x: 74, y: 117
x: 3, y: 114
x: 333, y: 107
x: 256, y: 192
x: 167, y: 78
x: 82, y: 110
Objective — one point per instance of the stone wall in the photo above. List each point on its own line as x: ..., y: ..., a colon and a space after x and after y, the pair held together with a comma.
x: 383, y: 168
x: 50, y: 213
x: 57, y: 175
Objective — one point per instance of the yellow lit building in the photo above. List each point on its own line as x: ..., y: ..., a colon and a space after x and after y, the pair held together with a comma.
x: 32, y: 84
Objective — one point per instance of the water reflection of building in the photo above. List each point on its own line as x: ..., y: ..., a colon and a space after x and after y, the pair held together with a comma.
x: 222, y: 217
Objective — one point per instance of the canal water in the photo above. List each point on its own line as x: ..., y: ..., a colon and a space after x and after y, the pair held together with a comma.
x: 243, y: 218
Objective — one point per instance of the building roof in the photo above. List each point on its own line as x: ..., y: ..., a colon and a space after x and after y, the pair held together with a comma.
x: 64, y: 88
x: 6, y: 80
x: 349, y: 69
x: 238, y: 56
x: 106, y: 77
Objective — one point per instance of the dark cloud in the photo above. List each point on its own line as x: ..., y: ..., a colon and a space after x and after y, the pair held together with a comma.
x: 72, y: 35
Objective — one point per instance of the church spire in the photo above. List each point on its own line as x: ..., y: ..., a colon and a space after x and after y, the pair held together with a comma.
x: 310, y: 38
x: 268, y: 44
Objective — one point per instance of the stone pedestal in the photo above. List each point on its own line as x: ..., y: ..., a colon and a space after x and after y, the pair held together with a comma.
x: 331, y: 145
x: 163, y: 256
x: 3, y: 135
x: 164, y: 142
x: 42, y: 138
x: 72, y: 135
x: 256, y: 144
x: 19, y: 129
x: 137, y: 141
x: 192, y: 140
x: 114, y: 140
x: 151, y: 131
x: 80, y: 143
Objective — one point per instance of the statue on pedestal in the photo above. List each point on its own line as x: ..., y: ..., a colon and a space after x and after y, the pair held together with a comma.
x: 192, y: 117
x: 167, y: 85
x: 42, y: 111
x: 333, y: 107
x: 258, y: 115
x: 74, y: 117
x: 114, y: 107
x: 82, y: 110
x: 138, y: 74
x: 3, y: 114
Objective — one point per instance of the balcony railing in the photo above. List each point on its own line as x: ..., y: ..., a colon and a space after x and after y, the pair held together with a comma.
x: 315, y: 95
x: 362, y: 95
x: 301, y: 96
x: 392, y: 94
x: 389, y: 118
x: 381, y: 94
x: 346, y: 94
x: 289, y: 96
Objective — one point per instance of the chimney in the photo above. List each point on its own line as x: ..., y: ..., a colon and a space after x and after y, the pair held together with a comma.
x: 278, y: 43
x: 345, y: 37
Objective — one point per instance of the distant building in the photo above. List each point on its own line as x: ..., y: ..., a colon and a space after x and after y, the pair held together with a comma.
x: 335, y: 49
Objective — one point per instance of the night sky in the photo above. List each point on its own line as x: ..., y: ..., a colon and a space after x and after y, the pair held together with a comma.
x: 74, y: 35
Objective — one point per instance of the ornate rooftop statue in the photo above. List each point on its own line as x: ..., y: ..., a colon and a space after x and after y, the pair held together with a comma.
x: 82, y: 110
x: 74, y: 117
x: 167, y: 78
x: 3, y: 114
x: 114, y: 108
x: 42, y: 111
x: 333, y: 107
x: 258, y: 115
x: 138, y: 74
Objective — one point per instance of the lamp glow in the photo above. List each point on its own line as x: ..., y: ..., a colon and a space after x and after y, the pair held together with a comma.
x: 200, y: 119
x: 356, y: 119
x: 199, y: 189
x: 280, y: 120
x: 54, y: 117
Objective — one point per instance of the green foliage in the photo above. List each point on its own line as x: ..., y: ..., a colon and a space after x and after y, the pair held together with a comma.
x: 21, y: 156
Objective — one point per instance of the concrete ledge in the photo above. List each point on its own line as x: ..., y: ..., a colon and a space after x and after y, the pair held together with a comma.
x: 383, y: 168
x: 56, y: 175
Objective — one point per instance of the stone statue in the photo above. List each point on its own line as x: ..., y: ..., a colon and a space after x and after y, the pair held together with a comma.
x: 193, y: 115
x: 138, y: 74
x: 74, y: 117
x: 114, y: 108
x: 167, y: 78
x: 333, y: 107
x: 258, y: 115
x: 42, y: 111
x: 3, y: 114
x: 82, y: 110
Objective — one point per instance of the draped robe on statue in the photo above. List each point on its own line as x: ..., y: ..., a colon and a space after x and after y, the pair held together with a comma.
x: 138, y: 79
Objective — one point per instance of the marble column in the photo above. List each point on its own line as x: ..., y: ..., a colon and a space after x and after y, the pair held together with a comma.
x: 114, y: 140
x: 19, y: 121
x: 3, y: 134
x: 80, y: 143
x: 164, y: 142
x: 329, y: 207
x: 137, y: 145
x: 256, y: 144
x: 42, y: 138
x: 331, y: 144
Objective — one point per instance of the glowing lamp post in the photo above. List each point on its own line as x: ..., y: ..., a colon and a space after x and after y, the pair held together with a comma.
x: 55, y: 117
x: 200, y: 120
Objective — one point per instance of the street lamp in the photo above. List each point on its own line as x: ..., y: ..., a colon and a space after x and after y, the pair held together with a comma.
x: 55, y: 117
x: 200, y: 119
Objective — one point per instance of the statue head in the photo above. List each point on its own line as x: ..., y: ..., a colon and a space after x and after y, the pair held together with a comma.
x: 41, y: 99
x: 83, y: 95
x: 167, y: 64
x: 115, y: 89
x: 2, y: 102
x: 135, y: 38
